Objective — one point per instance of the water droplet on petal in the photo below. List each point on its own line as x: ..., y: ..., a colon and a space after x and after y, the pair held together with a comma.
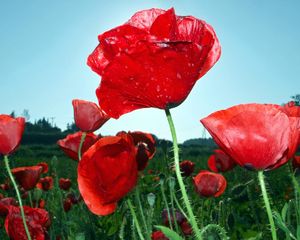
x: 158, y: 88
x: 178, y: 75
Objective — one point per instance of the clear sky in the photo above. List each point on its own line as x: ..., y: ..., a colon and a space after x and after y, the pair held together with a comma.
x: 44, y: 45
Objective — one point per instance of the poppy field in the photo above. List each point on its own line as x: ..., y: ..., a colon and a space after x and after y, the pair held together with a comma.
x: 242, y: 183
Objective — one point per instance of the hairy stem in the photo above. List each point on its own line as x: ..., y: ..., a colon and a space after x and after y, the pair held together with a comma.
x: 80, y: 145
x: 267, y: 203
x: 166, y: 204
x: 137, y: 197
x: 6, y: 161
x: 192, y: 218
x: 136, y: 222
x: 173, y: 210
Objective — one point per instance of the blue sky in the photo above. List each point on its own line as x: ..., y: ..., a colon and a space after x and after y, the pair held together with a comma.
x: 44, y: 46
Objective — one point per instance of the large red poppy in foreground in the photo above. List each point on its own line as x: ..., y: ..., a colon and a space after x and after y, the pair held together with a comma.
x: 37, y: 220
x: 153, y: 60
x: 256, y: 136
x: 11, y: 130
x: 107, y: 172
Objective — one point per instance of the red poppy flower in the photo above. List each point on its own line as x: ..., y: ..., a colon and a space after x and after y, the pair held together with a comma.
x: 220, y: 162
x: 65, y: 183
x: 208, y: 184
x: 44, y: 165
x: 178, y: 215
x: 27, y: 177
x: 153, y: 60
x: 45, y: 183
x: 158, y: 235
x: 24, y: 195
x: 187, y: 168
x: 37, y: 220
x: 256, y: 136
x: 88, y: 116
x: 70, y: 144
x: 67, y: 204
x: 42, y: 203
x: 73, y: 198
x: 11, y: 130
x: 293, y: 112
x: 4, y: 203
x: 107, y: 172
x: 4, y: 186
x: 145, y: 145
x: 296, y: 162
x: 186, y: 228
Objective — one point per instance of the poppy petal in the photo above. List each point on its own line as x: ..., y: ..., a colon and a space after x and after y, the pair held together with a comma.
x: 11, y: 130
x: 145, y: 18
x: 165, y: 25
x: 255, y: 135
x: 107, y: 172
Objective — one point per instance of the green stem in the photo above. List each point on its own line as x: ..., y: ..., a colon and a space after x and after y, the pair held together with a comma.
x: 296, y: 190
x: 192, y: 218
x: 173, y: 210
x: 6, y: 161
x: 136, y: 222
x: 166, y: 203
x: 178, y: 205
x: 137, y: 197
x: 267, y: 203
x: 80, y: 145
x: 30, y: 199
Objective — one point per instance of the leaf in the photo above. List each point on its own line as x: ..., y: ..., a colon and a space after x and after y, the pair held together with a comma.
x: 281, y: 224
x: 298, y: 232
x: 284, y: 211
x: 80, y: 236
x: 169, y: 233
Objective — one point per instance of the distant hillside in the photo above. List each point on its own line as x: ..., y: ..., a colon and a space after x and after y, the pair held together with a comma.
x: 208, y: 142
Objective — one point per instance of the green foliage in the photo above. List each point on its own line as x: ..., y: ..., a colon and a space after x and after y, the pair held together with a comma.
x: 172, y: 235
x: 239, y: 211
